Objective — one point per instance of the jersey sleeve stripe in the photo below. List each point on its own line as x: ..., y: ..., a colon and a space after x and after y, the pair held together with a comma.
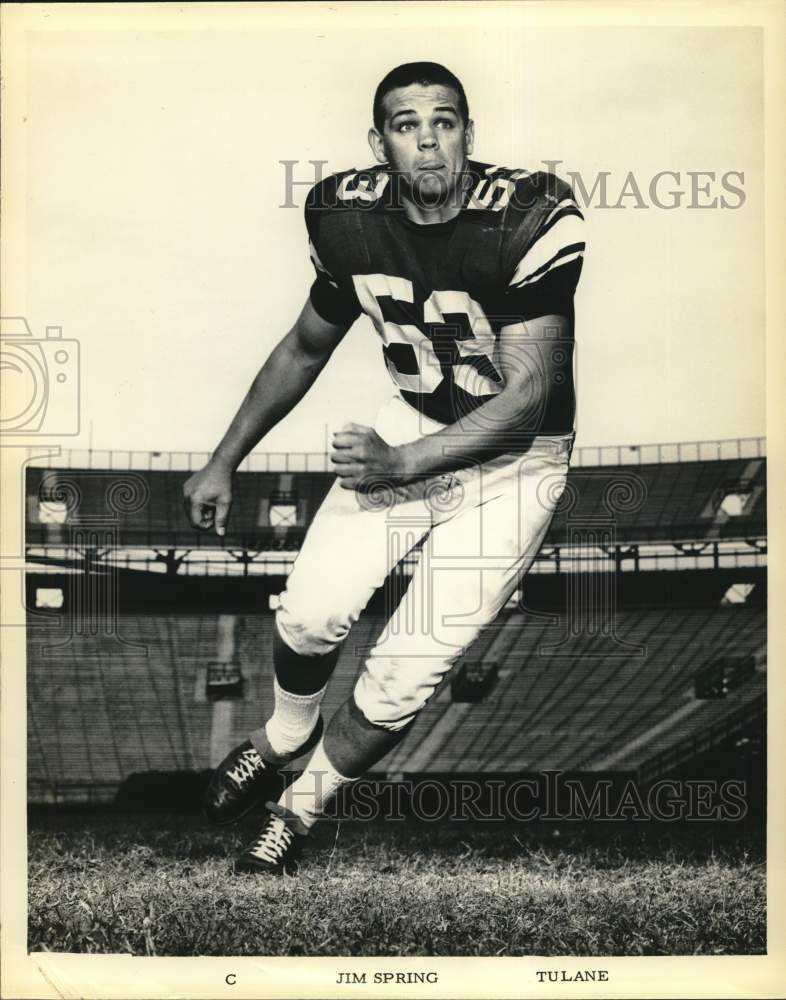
x: 320, y: 267
x: 565, y: 234
x: 556, y: 217
x: 563, y: 257
x: 567, y: 206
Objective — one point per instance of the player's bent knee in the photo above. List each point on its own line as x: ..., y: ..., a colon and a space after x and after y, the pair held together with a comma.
x: 383, y: 706
x: 311, y: 634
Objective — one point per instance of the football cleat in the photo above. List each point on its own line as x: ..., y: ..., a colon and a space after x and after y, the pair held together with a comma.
x: 275, y: 851
x: 249, y: 774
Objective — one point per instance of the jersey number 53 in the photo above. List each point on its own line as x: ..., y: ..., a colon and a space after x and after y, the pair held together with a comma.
x: 451, y: 337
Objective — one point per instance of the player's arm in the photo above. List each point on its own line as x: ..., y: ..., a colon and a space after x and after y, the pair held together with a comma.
x: 531, y: 370
x: 281, y: 383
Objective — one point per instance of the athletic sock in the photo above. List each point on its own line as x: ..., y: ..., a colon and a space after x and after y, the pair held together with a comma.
x: 309, y: 794
x: 293, y: 718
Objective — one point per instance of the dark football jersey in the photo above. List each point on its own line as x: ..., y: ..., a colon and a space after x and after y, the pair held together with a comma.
x: 439, y: 295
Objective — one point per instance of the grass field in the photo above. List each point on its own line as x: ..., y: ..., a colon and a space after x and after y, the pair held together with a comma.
x: 162, y: 885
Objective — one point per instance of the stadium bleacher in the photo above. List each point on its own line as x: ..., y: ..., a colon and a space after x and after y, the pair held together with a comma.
x: 99, y: 717
x: 129, y: 695
x: 597, y: 714
x: 646, y: 503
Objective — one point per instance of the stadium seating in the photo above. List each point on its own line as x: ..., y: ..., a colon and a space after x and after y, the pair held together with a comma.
x: 101, y: 709
x: 650, y: 502
x: 592, y: 707
x: 130, y: 695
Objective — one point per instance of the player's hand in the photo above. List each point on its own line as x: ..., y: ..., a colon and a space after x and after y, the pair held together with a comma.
x: 359, y: 454
x: 207, y: 497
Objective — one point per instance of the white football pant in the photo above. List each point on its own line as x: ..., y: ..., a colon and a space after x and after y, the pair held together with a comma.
x: 481, y: 528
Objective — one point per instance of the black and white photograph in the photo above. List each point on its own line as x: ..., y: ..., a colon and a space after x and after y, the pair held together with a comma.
x: 389, y: 393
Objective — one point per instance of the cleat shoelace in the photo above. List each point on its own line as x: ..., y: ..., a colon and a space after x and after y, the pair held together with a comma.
x: 246, y: 768
x: 273, y: 841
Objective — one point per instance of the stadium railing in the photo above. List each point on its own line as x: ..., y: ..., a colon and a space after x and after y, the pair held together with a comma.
x: 601, y: 455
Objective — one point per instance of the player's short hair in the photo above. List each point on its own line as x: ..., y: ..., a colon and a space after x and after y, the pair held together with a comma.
x: 425, y: 73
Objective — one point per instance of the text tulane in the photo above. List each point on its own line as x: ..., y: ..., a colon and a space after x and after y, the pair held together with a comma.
x: 579, y: 976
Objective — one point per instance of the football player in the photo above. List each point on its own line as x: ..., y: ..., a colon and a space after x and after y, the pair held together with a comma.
x: 467, y: 272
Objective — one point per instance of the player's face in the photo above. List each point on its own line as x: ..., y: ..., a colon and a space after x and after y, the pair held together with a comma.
x: 424, y: 140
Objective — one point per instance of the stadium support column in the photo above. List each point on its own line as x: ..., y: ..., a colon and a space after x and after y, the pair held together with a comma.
x: 223, y: 710
x: 171, y: 559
